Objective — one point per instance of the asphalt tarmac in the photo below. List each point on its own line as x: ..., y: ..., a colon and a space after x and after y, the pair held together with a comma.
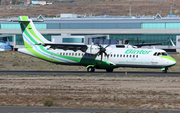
x: 77, y: 110
x: 97, y: 73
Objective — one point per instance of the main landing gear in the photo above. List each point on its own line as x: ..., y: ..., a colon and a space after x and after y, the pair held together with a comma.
x: 90, y: 69
x: 109, y: 70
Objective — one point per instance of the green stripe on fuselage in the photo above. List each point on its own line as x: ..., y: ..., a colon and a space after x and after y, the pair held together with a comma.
x: 36, y: 53
x: 168, y: 57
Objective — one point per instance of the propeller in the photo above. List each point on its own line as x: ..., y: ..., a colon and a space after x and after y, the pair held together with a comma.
x: 102, y: 49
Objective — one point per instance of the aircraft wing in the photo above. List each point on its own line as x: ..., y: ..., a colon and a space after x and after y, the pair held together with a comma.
x: 25, y: 20
x: 74, y: 47
x: 147, y: 44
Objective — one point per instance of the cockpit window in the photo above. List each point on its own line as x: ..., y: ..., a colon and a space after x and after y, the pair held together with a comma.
x: 155, y: 54
x: 164, y: 54
x: 160, y: 54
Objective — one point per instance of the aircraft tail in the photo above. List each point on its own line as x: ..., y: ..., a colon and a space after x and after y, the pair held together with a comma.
x: 8, y: 41
x: 30, y: 34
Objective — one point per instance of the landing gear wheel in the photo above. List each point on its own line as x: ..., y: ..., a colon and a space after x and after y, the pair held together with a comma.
x: 109, y: 70
x: 90, y: 69
x: 164, y: 71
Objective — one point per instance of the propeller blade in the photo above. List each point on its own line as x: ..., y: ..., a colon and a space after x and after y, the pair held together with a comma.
x: 101, y: 56
x: 107, y: 45
x: 98, y: 53
x: 97, y: 43
x: 105, y: 53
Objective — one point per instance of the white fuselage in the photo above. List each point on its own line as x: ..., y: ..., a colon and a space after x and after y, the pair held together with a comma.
x: 120, y: 57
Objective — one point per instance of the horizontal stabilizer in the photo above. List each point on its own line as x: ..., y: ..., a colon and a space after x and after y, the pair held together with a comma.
x: 25, y: 20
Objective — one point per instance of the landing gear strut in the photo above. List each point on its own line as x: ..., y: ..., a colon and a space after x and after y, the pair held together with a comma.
x: 164, y: 70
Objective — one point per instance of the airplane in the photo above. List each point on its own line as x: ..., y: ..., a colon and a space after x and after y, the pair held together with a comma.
x: 92, y: 56
x: 5, y: 47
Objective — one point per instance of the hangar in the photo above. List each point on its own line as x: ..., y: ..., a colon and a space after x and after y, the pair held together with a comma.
x: 136, y: 29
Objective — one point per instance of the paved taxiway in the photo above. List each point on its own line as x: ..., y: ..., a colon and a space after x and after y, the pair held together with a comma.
x: 77, y: 110
x: 97, y: 73
x: 82, y: 73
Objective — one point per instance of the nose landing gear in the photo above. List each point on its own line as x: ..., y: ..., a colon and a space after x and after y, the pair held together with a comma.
x: 164, y: 70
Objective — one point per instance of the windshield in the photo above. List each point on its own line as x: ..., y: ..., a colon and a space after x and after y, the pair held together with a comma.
x: 160, y: 54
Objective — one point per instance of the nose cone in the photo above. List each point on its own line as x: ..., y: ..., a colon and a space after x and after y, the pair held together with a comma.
x: 171, y: 61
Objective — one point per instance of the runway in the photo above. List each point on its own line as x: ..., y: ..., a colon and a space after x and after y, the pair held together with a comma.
x: 97, y: 73
x: 77, y: 110
x: 5, y: 109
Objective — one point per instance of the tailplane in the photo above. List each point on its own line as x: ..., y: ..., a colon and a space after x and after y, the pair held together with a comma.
x: 30, y: 34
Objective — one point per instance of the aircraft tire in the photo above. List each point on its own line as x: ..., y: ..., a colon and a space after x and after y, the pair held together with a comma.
x: 109, y: 70
x: 90, y: 69
x: 164, y: 71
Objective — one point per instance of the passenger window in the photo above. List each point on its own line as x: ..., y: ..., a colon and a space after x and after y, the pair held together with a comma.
x: 60, y: 53
x: 136, y: 56
x: 63, y: 53
x: 133, y: 56
x: 120, y: 55
x: 79, y: 54
x: 75, y: 54
x: 126, y: 55
x: 130, y: 56
x: 69, y: 54
x: 114, y: 55
x: 72, y: 54
x: 82, y: 54
x: 123, y: 55
x: 111, y: 55
x: 117, y: 55
x: 66, y: 54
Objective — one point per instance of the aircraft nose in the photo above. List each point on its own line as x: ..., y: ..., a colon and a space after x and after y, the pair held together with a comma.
x: 169, y: 61
x: 172, y: 61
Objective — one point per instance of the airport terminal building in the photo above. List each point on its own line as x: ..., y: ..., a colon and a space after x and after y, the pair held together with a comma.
x: 136, y: 29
